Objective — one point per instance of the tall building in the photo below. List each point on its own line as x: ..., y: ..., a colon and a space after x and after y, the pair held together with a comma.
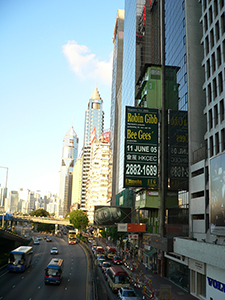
x: 77, y: 180
x: 69, y: 157
x: 99, y: 187
x: 133, y: 10
x: 116, y: 98
x: 93, y: 125
x: 205, y: 246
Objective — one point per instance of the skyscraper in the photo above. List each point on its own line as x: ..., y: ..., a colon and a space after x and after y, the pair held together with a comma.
x: 116, y: 97
x: 94, y: 123
x: 69, y: 157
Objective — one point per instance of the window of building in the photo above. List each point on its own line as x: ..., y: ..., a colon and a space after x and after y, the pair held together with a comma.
x: 211, y: 146
x: 211, y: 38
x: 218, y: 56
x: 213, y: 63
x: 208, y: 69
x: 221, y: 4
x: 215, y: 115
x: 206, y: 45
x: 209, y: 94
x: 224, y: 50
x: 222, y: 21
x: 223, y: 139
x: 205, y: 22
x: 210, y: 16
x: 201, y: 285
x: 215, y: 8
x: 217, y: 29
x: 217, y: 145
x: 214, y: 88
x: 210, y: 119
x: 220, y: 82
x: 221, y: 111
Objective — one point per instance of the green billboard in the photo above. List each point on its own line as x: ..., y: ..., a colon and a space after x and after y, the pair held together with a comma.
x: 141, y: 147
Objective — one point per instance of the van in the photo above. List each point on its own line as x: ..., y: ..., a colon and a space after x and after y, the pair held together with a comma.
x: 53, y: 271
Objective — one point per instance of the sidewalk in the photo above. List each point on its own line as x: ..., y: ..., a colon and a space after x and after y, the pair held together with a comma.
x: 155, y: 281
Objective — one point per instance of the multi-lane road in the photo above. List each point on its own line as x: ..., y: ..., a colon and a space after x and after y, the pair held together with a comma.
x: 30, y: 285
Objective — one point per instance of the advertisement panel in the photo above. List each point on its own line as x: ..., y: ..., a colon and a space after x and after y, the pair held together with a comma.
x: 178, y: 150
x: 217, y: 195
x: 111, y: 215
x: 131, y: 227
x: 141, y: 147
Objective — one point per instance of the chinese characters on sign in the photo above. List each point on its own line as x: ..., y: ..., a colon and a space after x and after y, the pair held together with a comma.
x: 141, y: 148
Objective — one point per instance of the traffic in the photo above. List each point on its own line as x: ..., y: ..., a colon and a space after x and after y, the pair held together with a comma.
x: 35, y: 272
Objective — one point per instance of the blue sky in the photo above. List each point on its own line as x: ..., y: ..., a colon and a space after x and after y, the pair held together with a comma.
x: 52, y: 56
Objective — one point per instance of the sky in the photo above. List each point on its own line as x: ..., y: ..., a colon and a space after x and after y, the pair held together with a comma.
x: 53, y: 54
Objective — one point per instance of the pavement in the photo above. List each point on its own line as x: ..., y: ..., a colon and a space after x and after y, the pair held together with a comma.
x: 160, y: 286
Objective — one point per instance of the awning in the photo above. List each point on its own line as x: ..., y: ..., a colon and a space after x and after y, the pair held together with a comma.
x: 150, y: 253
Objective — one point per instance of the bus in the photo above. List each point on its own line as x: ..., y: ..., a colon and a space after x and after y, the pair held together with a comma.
x: 117, y: 278
x: 20, y: 259
x: 99, y: 251
x: 72, y: 237
x: 53, y: 271
x: 110, y: 252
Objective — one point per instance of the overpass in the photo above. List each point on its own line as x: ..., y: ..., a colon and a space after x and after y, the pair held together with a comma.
x: 44, y: 220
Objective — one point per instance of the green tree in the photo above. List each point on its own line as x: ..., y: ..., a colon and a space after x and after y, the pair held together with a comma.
x: 40, y: 213
x: 79, y: 219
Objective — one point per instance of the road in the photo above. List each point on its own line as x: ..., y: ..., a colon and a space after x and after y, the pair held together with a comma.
x: 30, y: 285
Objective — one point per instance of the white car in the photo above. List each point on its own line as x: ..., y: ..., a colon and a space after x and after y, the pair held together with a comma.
x: 36, y: 242
x: 54, y: 250
x: 127, y: 293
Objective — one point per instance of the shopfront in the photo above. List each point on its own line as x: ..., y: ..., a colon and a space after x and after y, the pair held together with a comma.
x: 177, y: 270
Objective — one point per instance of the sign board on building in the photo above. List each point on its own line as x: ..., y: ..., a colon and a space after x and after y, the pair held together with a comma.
x: 133, y: 236
x: 141, y: 147
x: 111, y: 215
x: 217, y: 195
x: 178, y: 149
x: 131, y: 227
x: 106, y: 137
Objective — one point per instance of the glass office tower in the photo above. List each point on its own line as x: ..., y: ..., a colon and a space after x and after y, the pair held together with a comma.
x: 133, y: 10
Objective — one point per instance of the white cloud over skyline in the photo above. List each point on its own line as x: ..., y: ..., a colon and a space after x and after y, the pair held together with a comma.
x: 85, y: 64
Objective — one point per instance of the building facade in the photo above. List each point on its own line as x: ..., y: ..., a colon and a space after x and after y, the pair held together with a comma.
x: 99, y: 187
x: 69, y: 157
x: 93, y: 126
x: 115, y: 117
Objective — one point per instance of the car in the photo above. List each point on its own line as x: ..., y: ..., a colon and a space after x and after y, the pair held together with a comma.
x: 93, y: 248
x: 105, y: 265
x: 117, y: 260
x: 126, y: 293
x: 36, y: 242
x: 54, y: 250
x: 48, y: 239
x: 100, y: 262
x: 39, y: 238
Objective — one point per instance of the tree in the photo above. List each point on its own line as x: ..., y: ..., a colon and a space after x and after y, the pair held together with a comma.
x: 79, y: 219
x: 40, y: 213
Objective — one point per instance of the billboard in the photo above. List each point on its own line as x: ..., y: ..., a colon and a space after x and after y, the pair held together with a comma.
x: 141, y: 147
x: 217, y: 195
x: 111, y: 215
x: 131, y: 227
x: 178, y: 150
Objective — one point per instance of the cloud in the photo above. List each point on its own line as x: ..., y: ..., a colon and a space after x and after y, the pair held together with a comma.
x: 85, y: 64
